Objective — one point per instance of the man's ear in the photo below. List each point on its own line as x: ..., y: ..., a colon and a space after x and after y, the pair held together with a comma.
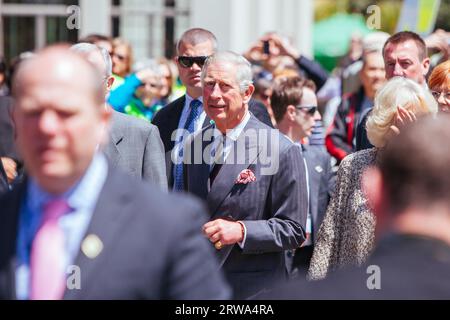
x: 425, y: 66
x: 373, y: 189
x: 248, y: 93
x: 109, y: 83
x: 290, y: 112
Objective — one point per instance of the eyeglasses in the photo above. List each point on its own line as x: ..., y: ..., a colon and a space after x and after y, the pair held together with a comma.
x: 437, y: 94
x: 311, y: 110
x: 187, y: 62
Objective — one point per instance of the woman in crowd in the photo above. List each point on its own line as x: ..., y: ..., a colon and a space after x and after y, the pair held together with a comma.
x: 346, y: 236
x: 439, y: 84
x: 139, y: 95
x: 122, y: 59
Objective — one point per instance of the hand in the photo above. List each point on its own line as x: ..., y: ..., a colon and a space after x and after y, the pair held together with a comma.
x: 285, y: 48
x: 10, y: 167
x: 226, y: 231
x: 402, y: 118
x: 439, y: 41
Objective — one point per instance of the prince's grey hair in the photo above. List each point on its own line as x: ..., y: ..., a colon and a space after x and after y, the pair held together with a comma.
x: 243, y: 72
x: 87, y: 48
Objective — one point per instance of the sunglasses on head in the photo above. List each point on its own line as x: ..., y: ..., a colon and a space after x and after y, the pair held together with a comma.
x: 187, y: 62
x: 309, y: 110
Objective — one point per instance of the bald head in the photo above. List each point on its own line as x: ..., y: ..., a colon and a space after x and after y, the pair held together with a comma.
x: 60, y: 123
x: 55, y: 66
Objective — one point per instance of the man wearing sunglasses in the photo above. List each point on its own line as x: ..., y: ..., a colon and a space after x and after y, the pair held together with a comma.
x: 185, y: 113
x: 294, y: 105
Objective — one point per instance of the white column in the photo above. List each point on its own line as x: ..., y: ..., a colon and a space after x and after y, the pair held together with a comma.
x: 95, y: 17
x: 304, y: 26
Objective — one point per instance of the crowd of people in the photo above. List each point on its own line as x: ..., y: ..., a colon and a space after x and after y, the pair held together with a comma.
x: 218, y: 175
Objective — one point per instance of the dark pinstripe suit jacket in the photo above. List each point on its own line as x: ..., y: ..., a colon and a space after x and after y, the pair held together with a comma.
x: 273, y: 208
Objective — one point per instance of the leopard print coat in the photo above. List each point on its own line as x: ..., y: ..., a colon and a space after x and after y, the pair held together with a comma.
x: 346, y: 236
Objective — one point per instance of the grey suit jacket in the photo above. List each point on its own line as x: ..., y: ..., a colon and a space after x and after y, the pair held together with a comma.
x: 273, y: 208
x: 136, y: 148
x: 152, y: 246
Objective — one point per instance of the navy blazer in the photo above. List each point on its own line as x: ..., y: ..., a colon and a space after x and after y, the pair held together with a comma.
x: 152, y: 246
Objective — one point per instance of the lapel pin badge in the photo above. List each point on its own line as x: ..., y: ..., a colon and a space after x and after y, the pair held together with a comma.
x: 92, y: 246
x: 318, y: 169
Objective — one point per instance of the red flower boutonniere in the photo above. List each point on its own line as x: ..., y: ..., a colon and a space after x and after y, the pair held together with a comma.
x: 245, y: 177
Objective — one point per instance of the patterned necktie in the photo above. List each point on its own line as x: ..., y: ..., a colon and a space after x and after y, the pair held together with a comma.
x: 48, y: 279
x: 189, y: 126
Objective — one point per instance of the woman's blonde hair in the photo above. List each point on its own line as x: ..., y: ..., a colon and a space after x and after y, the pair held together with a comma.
x: 397, y: 92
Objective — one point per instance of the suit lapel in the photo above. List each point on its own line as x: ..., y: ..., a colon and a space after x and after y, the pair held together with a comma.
x: 230, y: 170
x: 314, y: 178
x: 104, y: 225
x: 198, y: 173
x: 173, y: 120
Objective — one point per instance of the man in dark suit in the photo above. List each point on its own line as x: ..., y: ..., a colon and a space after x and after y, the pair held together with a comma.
x: 294, y: 105
x: 410, y: 194
x: 194, y: 46
x: 405, y: 55
x: 78, y: 229
x: 134, y: 145
x: 252, y: 178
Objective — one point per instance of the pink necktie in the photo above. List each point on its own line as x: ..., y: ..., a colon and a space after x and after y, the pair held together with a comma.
x: 48, y: 279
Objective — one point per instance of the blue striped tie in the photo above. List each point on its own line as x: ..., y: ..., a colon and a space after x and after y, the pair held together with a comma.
x: 189, y: 126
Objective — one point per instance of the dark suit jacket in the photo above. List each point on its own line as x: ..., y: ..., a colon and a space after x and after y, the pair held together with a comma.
x: 135, y: 147
x: 410, y: 267
x: 3, y: 179
x: 362, y: 142
x: 273, y: 208
x: 152, y: 246
x: 167, y: 120
x: 321, y: 182
x: 7, y: 145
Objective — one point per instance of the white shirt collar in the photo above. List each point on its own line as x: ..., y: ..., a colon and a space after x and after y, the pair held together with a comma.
x: 234, y: 133
x: 189, y: 100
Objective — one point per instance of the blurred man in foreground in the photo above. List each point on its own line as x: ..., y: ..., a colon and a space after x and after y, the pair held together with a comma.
x: 77, y: 229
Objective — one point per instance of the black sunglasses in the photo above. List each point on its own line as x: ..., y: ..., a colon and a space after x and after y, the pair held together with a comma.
x: 309, y: 110
x: 187, y: 62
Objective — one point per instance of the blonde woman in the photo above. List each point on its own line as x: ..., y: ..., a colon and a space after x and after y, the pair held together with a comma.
x: 346, y: 235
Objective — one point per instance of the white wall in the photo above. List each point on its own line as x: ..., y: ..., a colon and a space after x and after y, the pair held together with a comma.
x: 238, y: 23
